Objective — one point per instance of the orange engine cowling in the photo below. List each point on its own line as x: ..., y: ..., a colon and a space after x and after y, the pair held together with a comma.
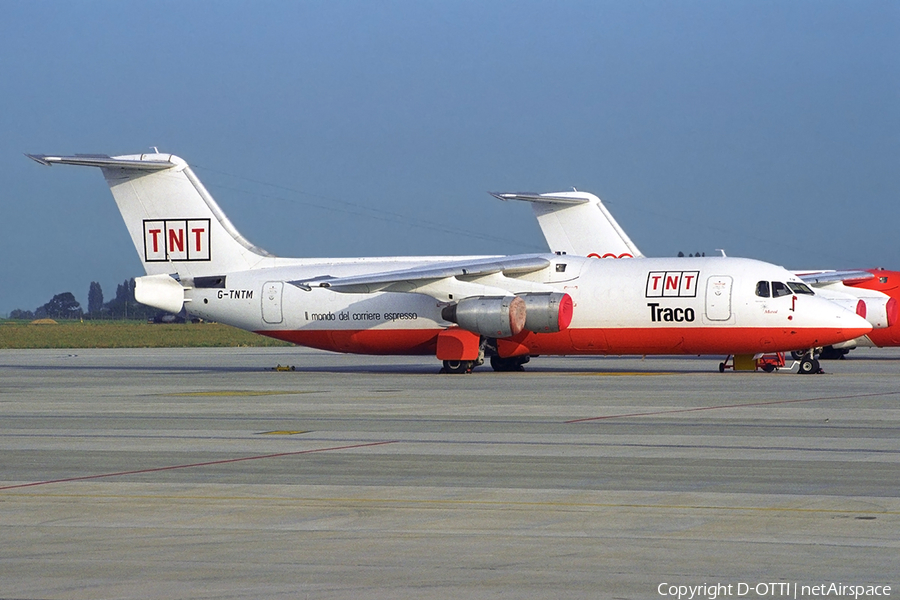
x: 547, y: 312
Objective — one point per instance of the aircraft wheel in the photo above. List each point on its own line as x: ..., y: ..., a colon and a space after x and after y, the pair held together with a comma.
x: 768, y: 368
x: 721, y: 367
x: 808, y: 365
x: 455, y: 367
x: 513, y: 363
x: 832, y: 353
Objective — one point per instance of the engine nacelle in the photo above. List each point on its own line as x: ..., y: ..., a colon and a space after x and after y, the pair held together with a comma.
x: 880, y: 312
x: 490, y: 316
x: 159, y: 291
x: 547, y: 312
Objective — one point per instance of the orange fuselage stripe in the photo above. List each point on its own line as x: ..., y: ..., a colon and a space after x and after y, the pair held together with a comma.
x: 673, y: 340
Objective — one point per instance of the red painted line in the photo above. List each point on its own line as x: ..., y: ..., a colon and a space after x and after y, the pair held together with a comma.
x: 203, y: 464
x: 684, y: 410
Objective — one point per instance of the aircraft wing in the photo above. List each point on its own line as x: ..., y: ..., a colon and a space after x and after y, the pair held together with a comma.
x: 824, y: 277
x: 416, y: 279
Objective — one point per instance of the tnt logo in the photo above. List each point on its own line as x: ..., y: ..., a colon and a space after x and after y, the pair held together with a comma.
x: 672, y: 284
x: 176, y: 239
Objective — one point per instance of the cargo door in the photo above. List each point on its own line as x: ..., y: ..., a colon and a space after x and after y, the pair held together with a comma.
x: 271, y: 302
x: 718, y: 298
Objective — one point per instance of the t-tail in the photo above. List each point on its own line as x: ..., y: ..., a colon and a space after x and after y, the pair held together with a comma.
x: 577, y: 223
x: 180, y: 233
x: 176, y: 226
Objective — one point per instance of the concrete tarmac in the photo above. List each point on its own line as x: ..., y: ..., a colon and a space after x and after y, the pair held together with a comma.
x: 205, y: 473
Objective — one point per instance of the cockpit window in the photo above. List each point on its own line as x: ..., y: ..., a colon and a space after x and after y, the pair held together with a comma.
x: 762, y: 289
x: 779, y: 290
x: 800, y: 288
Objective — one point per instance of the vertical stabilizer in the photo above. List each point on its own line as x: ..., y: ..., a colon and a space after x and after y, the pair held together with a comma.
x: 577, y: 223
x: 175, y: 224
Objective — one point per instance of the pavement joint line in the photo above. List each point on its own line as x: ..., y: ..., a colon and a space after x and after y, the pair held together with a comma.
x: 472, y: 503
x: 629, y: 374
x: 723, y: 406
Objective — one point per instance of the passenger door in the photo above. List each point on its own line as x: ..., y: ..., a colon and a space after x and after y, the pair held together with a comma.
x: 271, y: 302
x: 718, y: 298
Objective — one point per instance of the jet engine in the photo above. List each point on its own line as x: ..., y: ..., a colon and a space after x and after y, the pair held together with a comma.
x: 506, y: 316
x: 490, y: 316
x: 547, y: 312
x: 879, y: 311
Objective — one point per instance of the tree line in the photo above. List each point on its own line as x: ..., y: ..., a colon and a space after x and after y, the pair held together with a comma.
x: 65, y: 306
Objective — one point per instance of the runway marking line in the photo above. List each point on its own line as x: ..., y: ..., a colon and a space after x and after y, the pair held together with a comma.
x: 722, y: 406
x: 466, y: 503
x: 203, y: 464
x: 281, y: 432
x: 239, y: 393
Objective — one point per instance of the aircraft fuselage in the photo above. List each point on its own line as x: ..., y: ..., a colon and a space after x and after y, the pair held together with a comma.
x: 647, y: 306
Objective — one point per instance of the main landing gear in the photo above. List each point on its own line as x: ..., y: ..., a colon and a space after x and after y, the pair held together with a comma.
x: 456, y: 367
x: 826, y: 353
x: 501, y: 365
x: 513, y: 363
x: 487, y: 348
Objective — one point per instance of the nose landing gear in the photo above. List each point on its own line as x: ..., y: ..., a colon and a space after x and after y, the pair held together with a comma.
x: 808, y: 365
x: 805, y: 361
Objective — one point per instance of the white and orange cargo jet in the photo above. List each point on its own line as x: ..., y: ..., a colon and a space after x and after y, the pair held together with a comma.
x: 459, y: 309
x: 579, y: 224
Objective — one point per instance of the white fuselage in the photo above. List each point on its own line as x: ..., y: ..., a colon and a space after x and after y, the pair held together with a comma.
x: 459, y: 308
x: 647, y: 306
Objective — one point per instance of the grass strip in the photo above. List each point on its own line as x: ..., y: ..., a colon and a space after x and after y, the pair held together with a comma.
x: 126, y: 334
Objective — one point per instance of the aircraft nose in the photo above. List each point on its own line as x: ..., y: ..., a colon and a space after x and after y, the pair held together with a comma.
x: 837, y: 323
x: 853, y: 324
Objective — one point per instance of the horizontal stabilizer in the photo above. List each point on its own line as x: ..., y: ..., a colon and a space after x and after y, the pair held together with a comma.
x: 174, y: 223
x: 102, y: 161
x: 542, y: 198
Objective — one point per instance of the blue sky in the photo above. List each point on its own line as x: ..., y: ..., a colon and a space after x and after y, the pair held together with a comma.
x: 770, y: 129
